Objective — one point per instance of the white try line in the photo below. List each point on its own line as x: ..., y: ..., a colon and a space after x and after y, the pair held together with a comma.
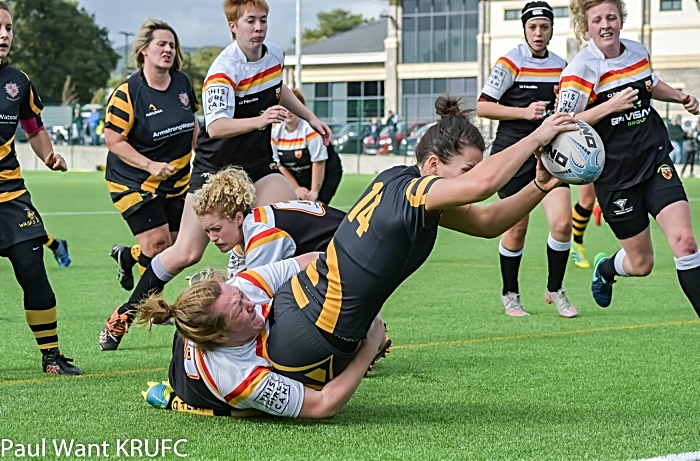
x: 690, y: 456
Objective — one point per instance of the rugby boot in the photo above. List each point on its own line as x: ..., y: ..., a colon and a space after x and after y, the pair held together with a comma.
x: 55, y: 363
x: 124, y: 271
x: 562, y: 303
x: 114, y: 330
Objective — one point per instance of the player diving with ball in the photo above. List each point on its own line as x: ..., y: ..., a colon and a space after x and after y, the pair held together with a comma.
x: 313, y: 326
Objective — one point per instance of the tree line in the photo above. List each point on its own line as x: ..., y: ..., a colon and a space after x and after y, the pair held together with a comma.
x: 70, y: 58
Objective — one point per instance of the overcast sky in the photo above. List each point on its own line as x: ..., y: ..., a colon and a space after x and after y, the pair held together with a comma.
x: 202, y: 22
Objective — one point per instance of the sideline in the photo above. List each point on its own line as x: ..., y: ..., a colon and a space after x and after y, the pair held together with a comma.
x: 690, y: 456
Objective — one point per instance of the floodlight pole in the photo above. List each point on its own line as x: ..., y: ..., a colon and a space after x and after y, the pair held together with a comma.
x: 297, y: 68
x: 126, y: 51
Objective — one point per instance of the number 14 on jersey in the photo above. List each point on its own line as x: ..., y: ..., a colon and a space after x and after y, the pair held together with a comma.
x: 365, y: 207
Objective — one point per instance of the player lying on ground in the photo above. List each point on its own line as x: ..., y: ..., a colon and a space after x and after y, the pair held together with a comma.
x: 220, y: 366
x: 265, y: 234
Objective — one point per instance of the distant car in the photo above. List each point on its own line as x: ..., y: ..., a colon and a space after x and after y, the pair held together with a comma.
x: 408, y: 145
x: 335, y: 127
x: 384, y: 147
x: 348, y: 140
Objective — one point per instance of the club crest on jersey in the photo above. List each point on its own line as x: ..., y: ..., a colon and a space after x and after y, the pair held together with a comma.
x: 278, y: 92
x: 297, y: 153
x: 273, y: 166
x: 184, y: 100
x: 648, y: 85
x: 665, y: 171
x: 12, y: 90
x: 32, y: 219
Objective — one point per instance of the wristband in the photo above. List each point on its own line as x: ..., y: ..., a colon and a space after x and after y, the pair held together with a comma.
x: 538, y: 186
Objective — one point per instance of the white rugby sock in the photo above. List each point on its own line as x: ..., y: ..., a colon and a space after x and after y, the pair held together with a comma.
x: 619, y: 256
x: 507, y: 253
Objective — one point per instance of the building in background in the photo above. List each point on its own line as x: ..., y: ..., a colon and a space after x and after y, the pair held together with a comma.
x: 423, y: 48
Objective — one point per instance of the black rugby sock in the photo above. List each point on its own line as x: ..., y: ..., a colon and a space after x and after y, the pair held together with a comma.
x: 580, y: 217
x: 510, y: 267
x: 688, y: 269
x: 607, y: 269
x: 556, y: 264
x: 152, y: 282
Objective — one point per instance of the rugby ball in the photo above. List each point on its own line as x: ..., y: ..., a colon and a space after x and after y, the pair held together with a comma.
x: 575, y: 157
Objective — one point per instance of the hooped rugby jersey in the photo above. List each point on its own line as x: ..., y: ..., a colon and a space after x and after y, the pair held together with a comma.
x: 239, y: 377
x: 159, y: 125
x: 287, y: 229
x: 236, y: 88
x: 635, y: 140
x: 517, y: 80
x: 18, y: 101
x: 297, y: 150
x: 384, y: 238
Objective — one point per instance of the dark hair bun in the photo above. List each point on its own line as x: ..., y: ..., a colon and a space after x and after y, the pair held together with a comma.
x: 447, y: 106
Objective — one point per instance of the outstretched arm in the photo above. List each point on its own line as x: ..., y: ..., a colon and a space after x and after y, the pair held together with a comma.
x: 492, y: 220
x: 491, y: 174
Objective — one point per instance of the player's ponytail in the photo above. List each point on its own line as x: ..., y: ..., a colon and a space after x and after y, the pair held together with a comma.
x: 227, y: 192
x: 579, y: 9
x: 451, y: 134
x: 192, y: 312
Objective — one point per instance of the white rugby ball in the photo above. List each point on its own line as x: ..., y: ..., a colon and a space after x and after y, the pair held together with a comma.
x: 575, y: 157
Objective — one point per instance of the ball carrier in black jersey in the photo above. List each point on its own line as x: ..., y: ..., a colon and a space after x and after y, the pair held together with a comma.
x: 321, y: 314
x: 22, y: 232
x: 520, y: 93
x: 610, y: 85
x: 243, y: 94
x: 150, y: 131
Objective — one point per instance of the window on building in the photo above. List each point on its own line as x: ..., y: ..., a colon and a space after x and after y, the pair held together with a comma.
x: 671, y: 5
x: 512, y: 15
x: 344, y: 102
x: 439, y: 30
x: 561, y: 11
x: 418, y: 96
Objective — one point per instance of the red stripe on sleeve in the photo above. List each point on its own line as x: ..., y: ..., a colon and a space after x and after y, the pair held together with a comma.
x: 245, y: 384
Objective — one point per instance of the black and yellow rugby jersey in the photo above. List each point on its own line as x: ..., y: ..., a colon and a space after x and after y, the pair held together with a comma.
x: 384, y: 238
x: 236, y: 88
x: 517, y: 80
x: 158, y: 125
x: 636, y: 140
x: 18, y: 101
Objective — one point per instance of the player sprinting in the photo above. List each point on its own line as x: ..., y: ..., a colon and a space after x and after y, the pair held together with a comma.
x: 265, y: 234
x: 610, y: 85
x: 22, y: 232
x: 520, y: 93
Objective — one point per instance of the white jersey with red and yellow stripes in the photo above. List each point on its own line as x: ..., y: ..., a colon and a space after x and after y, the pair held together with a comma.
x: 242, y: 376
x: 519, y: 79
x: 236, y: 88
x: 636, y: 139
x: 283, y: 230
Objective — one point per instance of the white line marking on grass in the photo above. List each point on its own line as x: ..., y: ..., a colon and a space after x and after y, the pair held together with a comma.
x: 76, y: 213
x: 690, y: 456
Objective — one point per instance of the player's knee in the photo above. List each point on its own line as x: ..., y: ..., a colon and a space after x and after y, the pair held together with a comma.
x: 686, y: 244
x: 641, y: 267
x: 561, y: 230
x: 156, y: 246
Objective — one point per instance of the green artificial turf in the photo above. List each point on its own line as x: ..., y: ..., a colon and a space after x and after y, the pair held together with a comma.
x: 464, y: 381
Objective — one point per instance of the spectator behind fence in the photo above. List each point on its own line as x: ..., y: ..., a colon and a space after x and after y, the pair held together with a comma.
x: 677, y: 136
